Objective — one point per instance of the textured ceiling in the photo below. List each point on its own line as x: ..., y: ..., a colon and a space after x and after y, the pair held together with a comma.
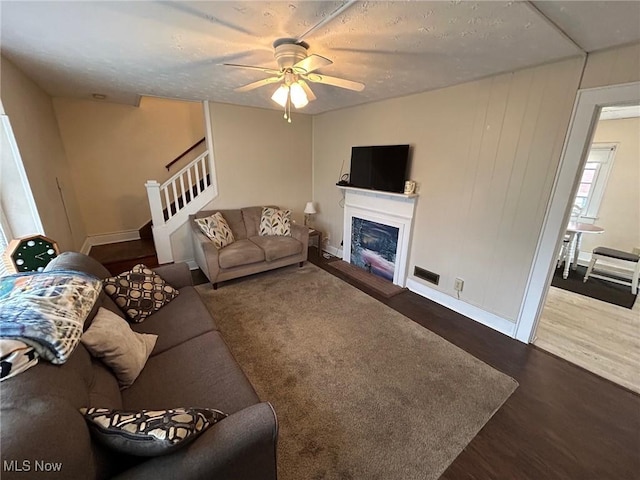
x: 174, y: 49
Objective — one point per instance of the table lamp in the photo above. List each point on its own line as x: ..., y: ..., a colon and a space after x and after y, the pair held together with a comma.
x: 309, y: 210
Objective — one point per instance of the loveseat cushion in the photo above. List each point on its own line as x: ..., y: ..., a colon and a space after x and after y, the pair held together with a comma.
x: 236, y: 223
x: 184, y: 318
x: 199, y: 373
x: 242, y: 252
x: 252, y: 216
x: 276, y: 247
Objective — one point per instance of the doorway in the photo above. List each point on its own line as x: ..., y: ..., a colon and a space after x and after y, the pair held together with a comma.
x: 595, y: 333
x: 585, y: 115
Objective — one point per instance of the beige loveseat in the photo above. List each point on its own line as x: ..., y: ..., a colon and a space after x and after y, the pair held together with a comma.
x: 250, y: 253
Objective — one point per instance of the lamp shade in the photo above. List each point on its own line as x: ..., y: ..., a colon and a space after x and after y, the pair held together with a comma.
x: 309, y: 209
x: 298, y: 95
x: 280, y: 95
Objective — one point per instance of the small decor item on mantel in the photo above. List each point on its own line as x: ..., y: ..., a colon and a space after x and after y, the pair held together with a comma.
x: 409, y: 187
x: 30, y: 254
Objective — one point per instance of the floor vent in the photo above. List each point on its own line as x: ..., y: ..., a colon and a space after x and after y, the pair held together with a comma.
x: 426, y: 275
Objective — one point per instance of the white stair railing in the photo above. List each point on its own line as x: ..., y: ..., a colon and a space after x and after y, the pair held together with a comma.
x: 186, y: 192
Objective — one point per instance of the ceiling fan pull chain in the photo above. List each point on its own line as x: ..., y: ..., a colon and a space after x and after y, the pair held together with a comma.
x: 289, y: 107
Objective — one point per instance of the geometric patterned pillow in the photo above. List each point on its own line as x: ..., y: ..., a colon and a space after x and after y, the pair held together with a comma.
x: 148, y: 433
x: 139, y: 292
x: 217, y: 229
x: 275, y: 222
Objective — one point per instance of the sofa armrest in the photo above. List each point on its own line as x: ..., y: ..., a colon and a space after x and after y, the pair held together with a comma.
x: 204, y: 251
x: 242, y: 446
x: 177, y: 275
x: 301, y: 233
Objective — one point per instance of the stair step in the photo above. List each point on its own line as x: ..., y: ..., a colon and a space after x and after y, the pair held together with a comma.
x: 121, y: 256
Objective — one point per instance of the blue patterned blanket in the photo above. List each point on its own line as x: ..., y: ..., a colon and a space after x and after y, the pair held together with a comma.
x: 47, y: 310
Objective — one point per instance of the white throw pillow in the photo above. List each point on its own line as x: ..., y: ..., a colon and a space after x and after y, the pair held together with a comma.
x: 111, y: 339
x: 275, y: 222
x: 217, y: 229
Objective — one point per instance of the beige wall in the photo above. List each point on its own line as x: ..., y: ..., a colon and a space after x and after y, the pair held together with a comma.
x: 485, y: 156
x: 260, y: 160
x: 34, y: 125
x: 114, y: 149
x: 619, y: 212
x: 612, y: 67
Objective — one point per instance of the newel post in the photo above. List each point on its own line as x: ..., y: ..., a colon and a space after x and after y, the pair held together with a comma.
x: 155, y: 202
x: 161, y: 236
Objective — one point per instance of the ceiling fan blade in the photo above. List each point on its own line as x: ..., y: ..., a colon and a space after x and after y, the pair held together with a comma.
x: 259, y: 83
x: 328, y: 18
x: 336, y: 82
x: 307, y: 89
x: 311, y: 63
x: 270, y: 71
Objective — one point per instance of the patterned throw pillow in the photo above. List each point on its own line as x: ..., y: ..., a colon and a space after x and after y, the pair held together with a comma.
x: 139, y: 292
x: 275, y: 222
x: 148, y: 433
x: 217, y: 229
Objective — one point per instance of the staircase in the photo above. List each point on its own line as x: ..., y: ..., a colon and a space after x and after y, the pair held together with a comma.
x: 186, y: 192
x: 171, y: 203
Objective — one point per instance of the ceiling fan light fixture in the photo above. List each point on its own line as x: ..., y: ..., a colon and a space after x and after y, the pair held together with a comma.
x: 281, y: 95
x: 298, y: 95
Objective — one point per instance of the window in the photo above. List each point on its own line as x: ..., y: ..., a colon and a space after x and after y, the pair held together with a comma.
x: 5, y: 236
x: 594, y: 180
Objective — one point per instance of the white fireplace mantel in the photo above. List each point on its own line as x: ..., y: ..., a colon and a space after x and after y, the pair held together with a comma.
x: 387, y: 208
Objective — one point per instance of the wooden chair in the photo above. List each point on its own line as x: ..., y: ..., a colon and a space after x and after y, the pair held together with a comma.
x: 565, y: 249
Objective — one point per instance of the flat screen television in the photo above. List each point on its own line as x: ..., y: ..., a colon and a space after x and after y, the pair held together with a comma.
x: 383, y: 167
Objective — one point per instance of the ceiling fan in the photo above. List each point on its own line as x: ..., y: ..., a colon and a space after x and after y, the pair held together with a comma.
x: 295, y: 68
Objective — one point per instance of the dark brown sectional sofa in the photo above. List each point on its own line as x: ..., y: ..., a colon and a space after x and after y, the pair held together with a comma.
x: 190, y: 366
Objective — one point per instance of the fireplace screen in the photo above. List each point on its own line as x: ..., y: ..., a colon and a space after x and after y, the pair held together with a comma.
x: 374, y: 246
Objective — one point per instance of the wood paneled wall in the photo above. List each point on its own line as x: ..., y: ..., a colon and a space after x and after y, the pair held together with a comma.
x: 485, y: 156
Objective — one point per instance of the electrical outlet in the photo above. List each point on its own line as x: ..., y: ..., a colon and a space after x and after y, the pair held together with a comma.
x: 458, y: 285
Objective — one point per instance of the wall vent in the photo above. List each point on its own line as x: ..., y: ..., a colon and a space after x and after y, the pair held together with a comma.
x: 426, y: 275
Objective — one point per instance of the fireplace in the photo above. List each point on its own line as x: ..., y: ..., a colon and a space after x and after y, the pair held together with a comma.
x: 374, y: 246
x: 377, y: 231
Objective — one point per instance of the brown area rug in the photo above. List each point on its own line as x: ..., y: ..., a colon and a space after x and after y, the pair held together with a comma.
x: 361, y: 391
x: 384, y: 287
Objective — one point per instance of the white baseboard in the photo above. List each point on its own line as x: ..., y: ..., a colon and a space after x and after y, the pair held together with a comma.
x: 192, y: 264
x: 488, y: 319
x: 86, y: 246
x: 106, y: 238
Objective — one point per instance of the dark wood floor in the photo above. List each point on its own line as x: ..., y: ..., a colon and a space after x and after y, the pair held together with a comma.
x: 120, y: 257
x: 561, y: 423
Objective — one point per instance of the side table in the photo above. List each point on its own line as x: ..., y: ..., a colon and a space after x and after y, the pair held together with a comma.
x: 315, y: 239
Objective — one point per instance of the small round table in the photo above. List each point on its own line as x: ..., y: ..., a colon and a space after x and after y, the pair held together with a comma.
x: 575, y: 231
